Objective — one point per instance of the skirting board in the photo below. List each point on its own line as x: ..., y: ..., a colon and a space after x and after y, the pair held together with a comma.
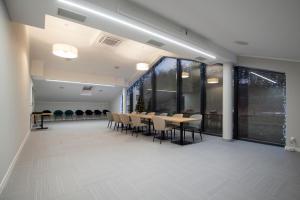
x: 12, y: 164
x: 289, y: 148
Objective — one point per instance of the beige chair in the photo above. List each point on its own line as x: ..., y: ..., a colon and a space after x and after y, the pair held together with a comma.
x: 137, y: 124
x: 133, y: 113
x: 117, y: 120
x: 151, y: 113
x: 143, y: 113
x: 110, y: 119
x: 160, y: 127
x: 125, y: 120
x: 194, y: 126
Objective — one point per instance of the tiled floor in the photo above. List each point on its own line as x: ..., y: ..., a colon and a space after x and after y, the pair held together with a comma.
x: 85, y: 160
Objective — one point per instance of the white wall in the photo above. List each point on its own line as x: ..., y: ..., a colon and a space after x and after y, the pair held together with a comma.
x: 52, y: 106
x: 116, y: 104
x: 15, y: 83
x: 292, y: 71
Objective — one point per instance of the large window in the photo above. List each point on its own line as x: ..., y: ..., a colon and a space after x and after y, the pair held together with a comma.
x: 166, y: 86
x: 191, y: 98
x: 261, y: 105
x: 147, y: 92
x: 214, y: 99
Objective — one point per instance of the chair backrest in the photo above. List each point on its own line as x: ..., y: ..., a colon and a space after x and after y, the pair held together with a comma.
x: 196, y: 124
x: 69, y: 112
x: 105, y: 111
x: 116, y: 117
x: 135, y: 120
x: 58, y: 113
x: 159, y: 123
x: 178, y: 115
x: 163, y: 114
x: 89, y: 112
x: 143, y: 113
x: 109, y: 116
x: 97, y: 112
x: 79, y: 112
x: 124, y: 119
x: 133, y: 113
x: 151, y: 113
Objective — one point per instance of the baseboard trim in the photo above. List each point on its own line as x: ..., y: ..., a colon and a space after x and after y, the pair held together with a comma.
x: 13, y: 163
x: 289, y: 148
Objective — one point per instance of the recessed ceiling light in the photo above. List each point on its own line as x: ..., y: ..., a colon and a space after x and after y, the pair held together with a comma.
x: 243, y: 43
x: 116, y: 67
x: 136, y: 27
x: 142, y: 66
x: 65, y: 51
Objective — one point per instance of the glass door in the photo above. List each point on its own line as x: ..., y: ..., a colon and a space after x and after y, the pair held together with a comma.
x: 260, y: 104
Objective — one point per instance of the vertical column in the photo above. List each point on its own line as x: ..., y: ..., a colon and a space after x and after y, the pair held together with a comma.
x: 227, y: 101
x: 124, y: 98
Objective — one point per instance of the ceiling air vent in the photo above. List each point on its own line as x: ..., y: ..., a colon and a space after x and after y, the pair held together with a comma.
x: 71, y: 15
x: 109, y: 41
x: 200, y: 58
x: 155, y: 43
x: 87, y: 91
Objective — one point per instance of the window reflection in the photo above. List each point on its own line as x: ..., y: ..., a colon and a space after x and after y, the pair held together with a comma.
x: 191, y: 98
x: 166, y: 86
x: 214, y: 99
x: 261, y: 107
x: 147, y: 92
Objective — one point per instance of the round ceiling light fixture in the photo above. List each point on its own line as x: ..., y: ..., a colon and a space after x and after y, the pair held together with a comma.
x: 142, y: 66
x: 65, y: 51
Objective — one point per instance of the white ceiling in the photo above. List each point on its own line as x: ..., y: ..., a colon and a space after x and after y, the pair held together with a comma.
x: 271, y: 27
x: 54, y: 91
x: 96, y: 60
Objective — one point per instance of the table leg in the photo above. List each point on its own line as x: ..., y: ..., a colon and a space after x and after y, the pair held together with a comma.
x: 149, y: 128
x: 42, y: 123
x: 181, y: 141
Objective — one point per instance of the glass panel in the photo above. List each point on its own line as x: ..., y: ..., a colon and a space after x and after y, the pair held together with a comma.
x: 129, y: 102
x: 214, y: 99
x: 261, y: 107
x: 166, y: 84
x: 191, y: 100
x: 147, y: 92
x: 136, y: 96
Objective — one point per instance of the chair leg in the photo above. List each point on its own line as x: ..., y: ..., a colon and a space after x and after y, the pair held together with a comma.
x: 193, y: 135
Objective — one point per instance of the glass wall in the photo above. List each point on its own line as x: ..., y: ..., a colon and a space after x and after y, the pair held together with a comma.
x: 214, y: 99
x: 191, y: 98
x: 261, y: 105
x: 136, y: 95
x: 166, y: 86
x: 147, y: 92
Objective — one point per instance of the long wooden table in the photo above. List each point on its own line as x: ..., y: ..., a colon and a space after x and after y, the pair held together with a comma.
x: 179, y: 120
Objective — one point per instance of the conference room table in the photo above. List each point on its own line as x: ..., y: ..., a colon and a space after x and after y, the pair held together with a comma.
x: 179, y: 120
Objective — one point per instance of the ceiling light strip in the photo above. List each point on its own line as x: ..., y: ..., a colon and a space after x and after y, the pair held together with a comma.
x: 263, y: 77
x: 76, y: 82
x: 133, y: 26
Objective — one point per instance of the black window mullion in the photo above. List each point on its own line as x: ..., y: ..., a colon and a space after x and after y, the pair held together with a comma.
x: 203, y: 93
x: 179, y: 86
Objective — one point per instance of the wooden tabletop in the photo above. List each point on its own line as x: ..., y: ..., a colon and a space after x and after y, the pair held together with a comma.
x: 44, y: 114
x: 167, y: 118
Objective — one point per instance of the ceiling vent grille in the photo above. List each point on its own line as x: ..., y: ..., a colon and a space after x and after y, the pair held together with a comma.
x: 155, y: 43
x: 71, y: 15
x: 109, y: 41
x: 200, y: 58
